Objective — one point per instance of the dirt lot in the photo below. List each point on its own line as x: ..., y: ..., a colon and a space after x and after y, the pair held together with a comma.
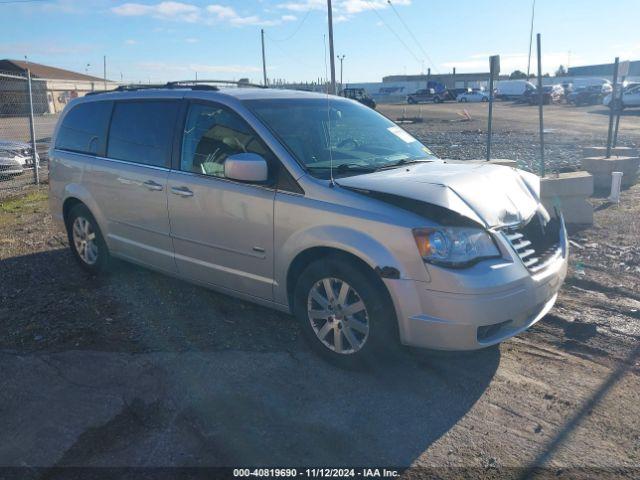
x: 516, y: 131
x: 138, y: 369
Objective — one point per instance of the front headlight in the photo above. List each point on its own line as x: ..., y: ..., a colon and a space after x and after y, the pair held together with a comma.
x: 454, y: 247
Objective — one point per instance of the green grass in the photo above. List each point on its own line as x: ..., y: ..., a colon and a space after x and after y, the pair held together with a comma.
x: 32, y: 202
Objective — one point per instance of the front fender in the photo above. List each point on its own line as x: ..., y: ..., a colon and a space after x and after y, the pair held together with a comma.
x: 358, y: 243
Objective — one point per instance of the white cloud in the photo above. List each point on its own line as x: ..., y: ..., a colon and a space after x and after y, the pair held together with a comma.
x: 343, y: 9
x: 222, y: 12
x: 191, y: 40
x: 164, y: 10
x: 130, y: 42
x: 186, y: 12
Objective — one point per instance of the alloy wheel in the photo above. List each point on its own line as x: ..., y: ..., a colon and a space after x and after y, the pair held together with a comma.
x: 338, y: 315
x: 84, y: 240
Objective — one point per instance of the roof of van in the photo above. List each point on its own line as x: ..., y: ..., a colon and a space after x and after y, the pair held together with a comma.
x: 239, y: 93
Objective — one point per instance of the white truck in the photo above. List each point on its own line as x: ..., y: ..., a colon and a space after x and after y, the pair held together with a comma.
x: 512, y: 89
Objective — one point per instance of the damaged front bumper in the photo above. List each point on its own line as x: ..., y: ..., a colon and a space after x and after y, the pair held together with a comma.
x: 482, y: 305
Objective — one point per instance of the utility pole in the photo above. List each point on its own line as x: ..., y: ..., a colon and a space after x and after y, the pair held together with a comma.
x: 332, y: 88
x: 341, y: 58
x: 540, y: 107
x: 533, y: 12
x: 264, y: 62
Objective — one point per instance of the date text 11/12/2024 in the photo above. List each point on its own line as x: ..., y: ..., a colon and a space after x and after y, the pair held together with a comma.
x: 316, y: 472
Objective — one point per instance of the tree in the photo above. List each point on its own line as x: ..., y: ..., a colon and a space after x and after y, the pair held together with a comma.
x: 561, y: 71
x: 517, y: 75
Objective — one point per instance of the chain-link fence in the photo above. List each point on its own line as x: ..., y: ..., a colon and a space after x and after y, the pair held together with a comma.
x: 26, y: 126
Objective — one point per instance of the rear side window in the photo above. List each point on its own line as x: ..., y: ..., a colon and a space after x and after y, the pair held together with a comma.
x: 142, y: 132
x: 84, y: 128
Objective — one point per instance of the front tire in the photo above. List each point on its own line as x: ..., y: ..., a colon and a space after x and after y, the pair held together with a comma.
x: 345, y: 315
x: 86, y: 241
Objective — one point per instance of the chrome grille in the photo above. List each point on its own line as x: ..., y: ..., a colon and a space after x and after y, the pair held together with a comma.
x: 535, y: 251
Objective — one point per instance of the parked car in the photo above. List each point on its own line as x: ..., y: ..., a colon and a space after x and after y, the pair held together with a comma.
x: 14, y: 157
x: 454, y: 92
x: 512, y: 89
x: 603, y: 83
x: 428, y: 96
x: 588, y: 95
x: 630, y: 97
x: 473, y: 96
x: 551, y: 94
x: 363, y: 234
x: 359, y: 95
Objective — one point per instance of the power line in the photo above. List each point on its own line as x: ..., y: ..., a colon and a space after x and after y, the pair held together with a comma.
x: 412, y: 35
x: 533, y: 14
x: 287, y: 54
x: 295, y: 32
x: 7, y: 2
x: 375, y: 10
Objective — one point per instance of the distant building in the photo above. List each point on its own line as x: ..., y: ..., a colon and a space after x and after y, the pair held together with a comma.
x: 449, y: 80
x: 604, y: 70
x: 51, y: 91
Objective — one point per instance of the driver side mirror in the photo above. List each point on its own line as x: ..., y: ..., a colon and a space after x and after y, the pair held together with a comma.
x: 246, y: 167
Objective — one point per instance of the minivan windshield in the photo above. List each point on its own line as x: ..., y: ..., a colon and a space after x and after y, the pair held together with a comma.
x: 354, y: 137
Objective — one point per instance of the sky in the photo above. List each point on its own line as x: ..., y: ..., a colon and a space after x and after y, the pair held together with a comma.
x: 154, y: 41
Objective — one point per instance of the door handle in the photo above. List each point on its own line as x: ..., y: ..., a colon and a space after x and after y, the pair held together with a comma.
x: 151, y: 185
x: 182, y: 191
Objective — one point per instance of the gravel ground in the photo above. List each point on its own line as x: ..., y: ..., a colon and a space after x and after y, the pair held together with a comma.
x: 136, y: 369
x: 515, y: 131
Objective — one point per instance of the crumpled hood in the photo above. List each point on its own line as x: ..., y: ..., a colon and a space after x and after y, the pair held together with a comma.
x: 492, y: 195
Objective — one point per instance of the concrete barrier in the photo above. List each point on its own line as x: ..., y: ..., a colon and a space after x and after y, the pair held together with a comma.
x: 601, y: 168
x: 569, y: 193
x: 588, y: 152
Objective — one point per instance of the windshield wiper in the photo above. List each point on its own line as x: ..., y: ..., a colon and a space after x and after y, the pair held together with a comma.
x: 403, y: 162
x: 344, y: 167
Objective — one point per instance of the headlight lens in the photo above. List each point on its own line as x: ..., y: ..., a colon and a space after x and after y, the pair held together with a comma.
x: 454, y: 247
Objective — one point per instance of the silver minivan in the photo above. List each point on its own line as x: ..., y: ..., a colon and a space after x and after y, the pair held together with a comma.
x: 310, y: 204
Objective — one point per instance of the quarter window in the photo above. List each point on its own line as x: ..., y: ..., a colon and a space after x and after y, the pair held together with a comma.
x: 142, y: 132
x: 84, y: 128
x: 211, y: 134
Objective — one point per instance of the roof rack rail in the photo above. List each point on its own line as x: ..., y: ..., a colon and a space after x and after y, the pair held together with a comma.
x: 130, y: 88
x: 192, y: 84
x: 196, y: 83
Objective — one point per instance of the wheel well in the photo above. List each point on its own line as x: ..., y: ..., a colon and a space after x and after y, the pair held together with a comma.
x: 305, y: 258
x: 68, y: 204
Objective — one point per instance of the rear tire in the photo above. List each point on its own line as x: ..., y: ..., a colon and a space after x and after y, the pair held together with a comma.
x: 345, y: 315
x: 86, y: 241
